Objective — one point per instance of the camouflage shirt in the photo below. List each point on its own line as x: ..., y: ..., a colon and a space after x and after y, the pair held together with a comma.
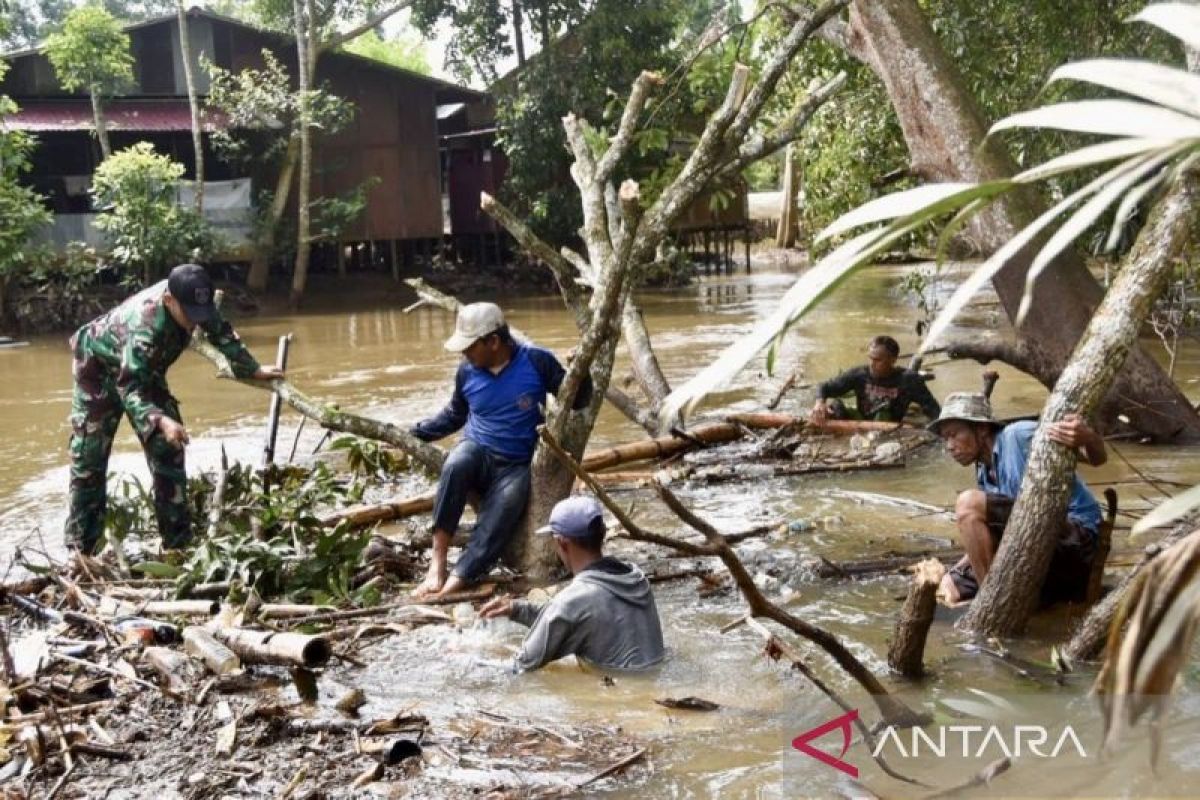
x: 138, y: 340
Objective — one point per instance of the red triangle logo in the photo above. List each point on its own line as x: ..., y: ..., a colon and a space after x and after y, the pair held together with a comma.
x: 843, y: 722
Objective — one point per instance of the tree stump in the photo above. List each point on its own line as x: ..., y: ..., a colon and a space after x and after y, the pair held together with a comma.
x: 907, y: 649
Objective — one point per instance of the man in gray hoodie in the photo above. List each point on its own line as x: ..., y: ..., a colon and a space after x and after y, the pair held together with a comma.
x: 605, y: 616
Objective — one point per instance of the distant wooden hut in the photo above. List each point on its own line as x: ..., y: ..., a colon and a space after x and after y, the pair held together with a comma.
x: 393, y: 137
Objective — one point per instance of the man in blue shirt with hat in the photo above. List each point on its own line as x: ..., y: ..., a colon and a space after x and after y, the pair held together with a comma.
x: 499, y: 392
x: 605, y: 616
x: 999, y: 453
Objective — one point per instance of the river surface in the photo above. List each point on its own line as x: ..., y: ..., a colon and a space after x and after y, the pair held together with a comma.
x: 373, y: 358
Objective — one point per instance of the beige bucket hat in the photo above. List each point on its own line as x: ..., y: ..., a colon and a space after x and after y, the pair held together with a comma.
x: 966, y: 407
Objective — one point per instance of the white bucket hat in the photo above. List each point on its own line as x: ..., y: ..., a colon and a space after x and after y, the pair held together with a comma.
x: 475, y: 321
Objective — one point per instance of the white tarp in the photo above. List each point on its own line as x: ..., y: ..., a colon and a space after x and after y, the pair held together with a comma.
x: 226, y: 207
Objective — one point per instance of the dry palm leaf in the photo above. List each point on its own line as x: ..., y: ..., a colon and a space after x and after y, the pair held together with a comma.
x: 1142, y: 661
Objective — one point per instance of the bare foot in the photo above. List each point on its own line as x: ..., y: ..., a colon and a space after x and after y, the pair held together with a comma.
x: 435, y: 579
x: 454, y: 584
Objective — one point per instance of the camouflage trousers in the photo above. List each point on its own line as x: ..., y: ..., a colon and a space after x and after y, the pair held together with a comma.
x: 96, y: 411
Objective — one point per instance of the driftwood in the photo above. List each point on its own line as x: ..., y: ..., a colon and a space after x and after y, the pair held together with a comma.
x: 907, y: 649
x: 271, y: 647
x: 219, y: 659
x: 838, y: 427
x: 111, y: 606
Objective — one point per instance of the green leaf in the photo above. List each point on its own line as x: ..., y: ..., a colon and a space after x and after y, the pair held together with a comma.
x: 1106, y: 117
x: 1181, y: 20
x: 1126, y: 176
x: 1165, y: 86
x: 156, y: 569
x: 1168, y: 511
x: 899, y: 204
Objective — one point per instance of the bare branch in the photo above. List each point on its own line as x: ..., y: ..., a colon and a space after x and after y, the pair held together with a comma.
x: 777, y: 65
x: 634, y: 530
x: 892, y: 709
x: 341, y: 38
x: 633, y: 109
x: 760, y: 146
x: 591, y: 191
x: 562, y: 269
x: 329, y: 416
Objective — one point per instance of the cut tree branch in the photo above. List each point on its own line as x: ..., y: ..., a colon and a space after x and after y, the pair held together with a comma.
x: 328, y: 416
x: 625, y: 130
x: 893, y: 710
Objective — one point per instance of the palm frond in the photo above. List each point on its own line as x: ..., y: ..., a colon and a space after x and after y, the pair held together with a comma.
x: 1181, y: 20
x: 1106, y: 118
x: 1155, y: 131
x: 997, y: 261
x: 1162, y: 85
x: 1149, y: 642
x: 1168, y: 511
x: 1132, y: 171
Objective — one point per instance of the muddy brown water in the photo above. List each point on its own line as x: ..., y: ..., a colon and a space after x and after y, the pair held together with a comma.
x: 379, y: 361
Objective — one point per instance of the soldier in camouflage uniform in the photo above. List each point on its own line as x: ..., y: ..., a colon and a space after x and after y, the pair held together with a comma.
x: 120, y: 365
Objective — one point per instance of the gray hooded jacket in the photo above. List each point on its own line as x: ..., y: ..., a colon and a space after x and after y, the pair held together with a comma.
x: 606, y: 616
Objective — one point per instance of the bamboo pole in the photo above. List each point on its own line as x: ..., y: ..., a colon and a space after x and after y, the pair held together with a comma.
x: 219, y: 659
x: 271, y: 647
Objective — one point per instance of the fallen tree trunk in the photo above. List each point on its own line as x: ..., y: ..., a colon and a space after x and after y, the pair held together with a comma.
x: 906, y: 653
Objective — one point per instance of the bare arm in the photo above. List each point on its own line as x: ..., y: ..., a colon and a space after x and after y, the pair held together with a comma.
x: 1073, y: 431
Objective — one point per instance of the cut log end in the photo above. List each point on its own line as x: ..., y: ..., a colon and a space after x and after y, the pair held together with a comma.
x: 906, y: 653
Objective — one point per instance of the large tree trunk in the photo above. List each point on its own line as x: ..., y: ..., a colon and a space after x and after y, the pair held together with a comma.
x: 197, y: 136
x: 944, y: 129
x: 1005, y: 601
x: 101, y: 125
x: 304, y: 68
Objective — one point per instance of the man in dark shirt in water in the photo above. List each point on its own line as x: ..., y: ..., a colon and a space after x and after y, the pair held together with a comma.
x: 882, y: 391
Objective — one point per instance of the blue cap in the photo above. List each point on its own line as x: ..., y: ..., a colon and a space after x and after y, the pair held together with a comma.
x: 572, y: 518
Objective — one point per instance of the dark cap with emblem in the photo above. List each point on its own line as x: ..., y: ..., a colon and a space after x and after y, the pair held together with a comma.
x: 191, y: 286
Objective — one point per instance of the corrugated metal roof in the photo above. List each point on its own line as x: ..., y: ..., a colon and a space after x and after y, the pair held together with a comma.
x: 120, y: 115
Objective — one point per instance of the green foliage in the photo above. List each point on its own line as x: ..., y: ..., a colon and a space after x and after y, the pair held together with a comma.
x: 589, y: 72
x: 406, y: 51
x: 368, y: 458
x: 1004, y: 52
x: 145, y: 228
x: 91, y: 52
x: 266, y: 540
x: 333, y: 215
x: 21, y: 209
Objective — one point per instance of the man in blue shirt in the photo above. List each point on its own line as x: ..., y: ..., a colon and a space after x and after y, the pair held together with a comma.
x: 499, y: 392
x: 999, y: 453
